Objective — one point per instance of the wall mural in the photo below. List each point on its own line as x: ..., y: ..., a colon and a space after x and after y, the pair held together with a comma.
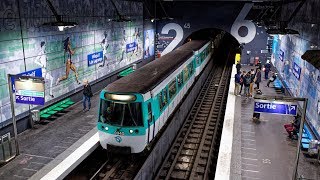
x: 91, y: 50
x: 300, y: 77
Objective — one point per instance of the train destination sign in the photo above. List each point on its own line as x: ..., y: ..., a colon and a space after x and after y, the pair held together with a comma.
x: 30, y: 91
x: 278, y: 107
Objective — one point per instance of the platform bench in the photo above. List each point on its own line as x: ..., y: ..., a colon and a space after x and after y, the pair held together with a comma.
x: 55, y: 108
x: 306, y: 138
x: 126, y: 72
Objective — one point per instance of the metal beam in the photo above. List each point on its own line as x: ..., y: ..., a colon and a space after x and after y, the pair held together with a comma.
x: 53, y: 10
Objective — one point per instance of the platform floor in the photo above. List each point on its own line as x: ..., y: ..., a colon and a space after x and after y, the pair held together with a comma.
x: 263, y: 150
x: 44, y: 143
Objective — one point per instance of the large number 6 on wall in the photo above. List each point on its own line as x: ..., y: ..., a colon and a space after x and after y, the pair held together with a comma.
x: 240, y: 22
x: 176, y: 40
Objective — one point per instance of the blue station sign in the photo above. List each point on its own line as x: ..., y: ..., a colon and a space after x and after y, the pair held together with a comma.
x: 95, y: 58
x: 131, y: 47
x: 296, y: 70
x: 281, y: 55
x: 275, y: 107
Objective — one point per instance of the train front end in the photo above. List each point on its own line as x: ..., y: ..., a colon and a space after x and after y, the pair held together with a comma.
x: 120, y: 123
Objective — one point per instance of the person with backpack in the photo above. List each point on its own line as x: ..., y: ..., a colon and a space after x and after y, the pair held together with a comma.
x: 246, y: 82
x: 237, y: 83
x: 87, y: 94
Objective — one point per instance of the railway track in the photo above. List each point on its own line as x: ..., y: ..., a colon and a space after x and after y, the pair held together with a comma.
x: 194, y: 152
x: 103, y: 166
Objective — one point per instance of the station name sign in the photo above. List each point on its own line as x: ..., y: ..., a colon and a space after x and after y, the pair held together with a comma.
x: 278, y: 107
x: 95, y: 58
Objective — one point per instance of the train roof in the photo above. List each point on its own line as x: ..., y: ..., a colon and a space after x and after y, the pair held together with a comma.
x: 146, y: 78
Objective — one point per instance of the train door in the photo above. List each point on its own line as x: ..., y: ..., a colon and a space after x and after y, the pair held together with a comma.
x: 151, y: 122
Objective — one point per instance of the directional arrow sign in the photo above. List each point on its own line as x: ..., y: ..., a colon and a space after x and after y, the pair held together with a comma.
x: 276, y: 107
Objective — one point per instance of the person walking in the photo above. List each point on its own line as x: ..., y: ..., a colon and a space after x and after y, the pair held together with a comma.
x: 237, y: 83
x: 272, y: 79
x: 87, y: 94
x: 258, y: 78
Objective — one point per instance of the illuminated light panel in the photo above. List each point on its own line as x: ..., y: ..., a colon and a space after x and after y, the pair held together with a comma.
x: 118, y: 97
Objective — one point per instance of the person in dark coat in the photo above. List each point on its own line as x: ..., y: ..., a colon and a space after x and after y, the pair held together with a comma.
x: 238, y: 66
x: 87, y: 94
x: 258, y: 78
x: 246, y: 82
x: 267, y: 70
x: 241, y: 80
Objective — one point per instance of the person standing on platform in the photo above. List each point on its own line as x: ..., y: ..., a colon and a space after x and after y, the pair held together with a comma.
x: 246, y: 83
x: 87, y: 94
x: 259, y: 65
x: 258, y: 78
x: 267, y: 69
x: 252, y: 75
x: 241, y: 80
x: 238, y: 66
x: 237, y: 83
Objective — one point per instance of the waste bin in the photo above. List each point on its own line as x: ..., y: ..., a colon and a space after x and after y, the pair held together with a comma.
x: 35, y: 115
x: 7, y: 151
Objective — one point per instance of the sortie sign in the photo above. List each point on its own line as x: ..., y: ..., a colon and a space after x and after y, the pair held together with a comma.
x: 278, y: 107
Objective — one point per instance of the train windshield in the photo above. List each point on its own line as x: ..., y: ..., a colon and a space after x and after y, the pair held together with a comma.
x: 121, y: 113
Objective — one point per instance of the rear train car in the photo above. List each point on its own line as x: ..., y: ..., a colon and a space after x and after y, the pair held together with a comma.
x: 135, y: 108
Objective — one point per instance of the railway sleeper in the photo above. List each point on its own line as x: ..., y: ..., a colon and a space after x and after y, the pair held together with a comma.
x: 179, y: 175
x: 182, y: 166
x: 192, y: 140
x: 190, y: 146
x: 185, y: 159
x: 188, y: 152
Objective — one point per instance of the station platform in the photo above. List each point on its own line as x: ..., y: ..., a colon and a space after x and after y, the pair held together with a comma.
x: 258, y: 150
x: 51, y: 151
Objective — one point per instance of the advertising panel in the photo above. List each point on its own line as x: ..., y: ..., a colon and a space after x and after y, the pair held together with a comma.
x: 148, y: 43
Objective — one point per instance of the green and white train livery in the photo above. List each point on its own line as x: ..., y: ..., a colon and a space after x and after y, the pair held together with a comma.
x: 134, y: 108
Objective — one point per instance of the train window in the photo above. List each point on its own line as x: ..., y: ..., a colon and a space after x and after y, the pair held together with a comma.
x: 121, y: 114
x: 198, y: 59
x: 160, y: 101
x: 164, y: 97
x: 190, y: 66
x: 185, y: 74
x: 172, y: 89
x: 149, y: 112
x: 180, y: 79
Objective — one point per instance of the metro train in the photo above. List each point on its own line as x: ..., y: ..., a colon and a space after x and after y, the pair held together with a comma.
x: 135, y: 108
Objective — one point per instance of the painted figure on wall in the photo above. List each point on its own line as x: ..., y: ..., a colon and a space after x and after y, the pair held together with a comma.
x: 41, y: 60
x: 69, y: 65
x: 136, y: 36
x: 105, y: 45
x: 123, y: 45
x: 147, y: 44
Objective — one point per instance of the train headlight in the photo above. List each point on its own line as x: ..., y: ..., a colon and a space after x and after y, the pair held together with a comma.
x: 130, y: 131
x: 106, y: 128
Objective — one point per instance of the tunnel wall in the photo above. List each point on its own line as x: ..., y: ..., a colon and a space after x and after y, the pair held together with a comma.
x: 229, y: 17
x: 29, y: 47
